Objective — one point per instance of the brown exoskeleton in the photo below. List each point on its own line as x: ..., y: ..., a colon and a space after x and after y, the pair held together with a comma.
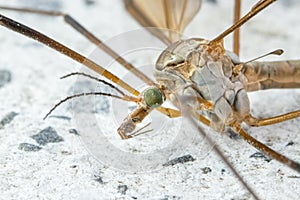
x: 219, y: 82
x: 213, y: 82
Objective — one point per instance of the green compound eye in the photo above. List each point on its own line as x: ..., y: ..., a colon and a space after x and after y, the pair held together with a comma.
x: 153, y: 98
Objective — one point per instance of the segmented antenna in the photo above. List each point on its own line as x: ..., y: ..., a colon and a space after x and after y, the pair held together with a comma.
x: 123, y: 97
x: 94, y: 78
x: 80, y: 95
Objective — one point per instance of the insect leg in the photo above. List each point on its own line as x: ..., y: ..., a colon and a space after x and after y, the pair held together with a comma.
x: 236, y: 33
x: 172, y: 113
x: 31, y: 33
x: 265, y: 149
x: 91, y: 37
x: 259, y: 6
x: 137, y: 116
x: 252, y: 121
x: 186, y: 113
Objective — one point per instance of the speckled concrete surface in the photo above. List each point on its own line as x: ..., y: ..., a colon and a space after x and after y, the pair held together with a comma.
x: 61, y: 158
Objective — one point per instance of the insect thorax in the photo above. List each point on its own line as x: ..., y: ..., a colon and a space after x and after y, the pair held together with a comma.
x: 194, y: 69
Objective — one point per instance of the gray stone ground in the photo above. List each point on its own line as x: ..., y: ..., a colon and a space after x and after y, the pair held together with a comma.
x: 62, y: 158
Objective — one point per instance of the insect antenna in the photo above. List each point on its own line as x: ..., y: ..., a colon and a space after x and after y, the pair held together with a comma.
x: 94, y: 78
x: 79, y: 95
x: 123, y: 97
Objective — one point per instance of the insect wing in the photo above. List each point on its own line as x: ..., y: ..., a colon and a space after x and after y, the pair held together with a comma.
x: 170, y: 16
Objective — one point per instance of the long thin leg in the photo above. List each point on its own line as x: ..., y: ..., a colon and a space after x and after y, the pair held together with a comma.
x: 186, y: 113
x: 91, y: 37
x: 236, y: 33
x: 259, y: 6
x: 172, y: 113
x: 31, y: 33
x: 268, y: 151
x: 252, y: 121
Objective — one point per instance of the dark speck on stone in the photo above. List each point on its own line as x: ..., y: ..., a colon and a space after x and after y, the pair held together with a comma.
x: 60, y: 117
x: 169, y: 197
x: 290, y: 143
x: 289, y: 3
x: 258, y: 155
x: 47, y: 135
x: 5, y: 77
x: 7, y: 119
x: 223, y: 171
x: 122, y: 189
x: 89, y: 2
x: 233, y: 135
x: 98, y: 178
x: 205, y: 170
x: 293, y: 176
x: 183, y: 159
x: 73, y: 131
x: 212, y: 1
x: 29, y: 147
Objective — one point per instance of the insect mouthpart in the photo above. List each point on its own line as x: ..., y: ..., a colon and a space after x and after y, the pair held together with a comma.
x: 153, y: 97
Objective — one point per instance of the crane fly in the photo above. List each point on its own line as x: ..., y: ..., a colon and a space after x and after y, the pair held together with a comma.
x: 186, y: 69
